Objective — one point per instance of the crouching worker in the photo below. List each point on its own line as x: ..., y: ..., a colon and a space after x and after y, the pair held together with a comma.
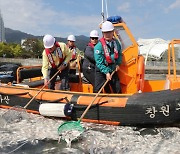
x: 56, y: 56
x: 108, y: 55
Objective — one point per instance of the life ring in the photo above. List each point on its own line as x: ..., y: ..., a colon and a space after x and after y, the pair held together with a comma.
x: 140, y: 74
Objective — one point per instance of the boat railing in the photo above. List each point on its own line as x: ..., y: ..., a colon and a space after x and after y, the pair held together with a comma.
x: 174, y: 79
x: 34, y: 78
x: 29, y: 72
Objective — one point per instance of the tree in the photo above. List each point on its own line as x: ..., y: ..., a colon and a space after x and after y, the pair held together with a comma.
x: 17, y: 51
x: 33, y: 47
x: 6, y: 50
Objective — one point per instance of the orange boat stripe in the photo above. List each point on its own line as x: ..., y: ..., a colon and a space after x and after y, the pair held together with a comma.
x: 111, y: 101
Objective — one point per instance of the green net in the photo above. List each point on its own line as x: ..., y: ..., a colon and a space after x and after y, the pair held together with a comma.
x: 70, y: 126
x: 70, y: 131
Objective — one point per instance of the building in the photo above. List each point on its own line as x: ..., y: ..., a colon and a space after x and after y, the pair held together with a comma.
x: 2, y: 29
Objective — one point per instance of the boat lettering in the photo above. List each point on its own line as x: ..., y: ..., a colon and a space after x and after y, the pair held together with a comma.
x: 178, y: 108
x: 165, y: 110
x: 4, y: 99
x: 152, y: 111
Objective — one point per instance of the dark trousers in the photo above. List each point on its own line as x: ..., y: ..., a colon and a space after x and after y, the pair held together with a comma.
x: 89, y: 74
x: 64, y: 76
x: 100, y: 79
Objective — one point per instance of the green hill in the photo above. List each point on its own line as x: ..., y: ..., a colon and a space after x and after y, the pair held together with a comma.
x: 15, y: 36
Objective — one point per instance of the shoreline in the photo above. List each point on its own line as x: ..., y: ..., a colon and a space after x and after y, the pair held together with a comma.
x: 155, y: 67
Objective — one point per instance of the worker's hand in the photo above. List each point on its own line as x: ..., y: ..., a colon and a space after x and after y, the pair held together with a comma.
x: 117, y: 68
x: 108, y: 76
x: 46, y: 81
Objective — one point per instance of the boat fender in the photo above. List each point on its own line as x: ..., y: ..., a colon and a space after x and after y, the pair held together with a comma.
x: 56, y: 109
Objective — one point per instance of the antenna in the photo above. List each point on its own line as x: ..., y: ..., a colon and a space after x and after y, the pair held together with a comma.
x: 102, y: 13
x: 103, y: 10
x: 106, y: 9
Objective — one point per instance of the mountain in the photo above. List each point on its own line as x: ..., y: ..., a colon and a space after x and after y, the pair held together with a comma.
x: 15, y: 36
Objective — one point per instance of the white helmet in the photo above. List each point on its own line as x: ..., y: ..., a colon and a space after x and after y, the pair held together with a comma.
x: 71, y: 38
x: 48, y: 41
x: 94, y: 33
x: 107, y: 26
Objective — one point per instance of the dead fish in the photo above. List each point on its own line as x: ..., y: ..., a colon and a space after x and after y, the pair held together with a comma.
x: 69, y: 135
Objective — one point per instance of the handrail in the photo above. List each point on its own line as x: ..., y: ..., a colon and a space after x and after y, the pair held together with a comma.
x: 171, y: 49
x: 24, y: 67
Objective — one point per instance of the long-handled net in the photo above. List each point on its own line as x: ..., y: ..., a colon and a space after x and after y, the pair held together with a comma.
x: 75, y: 126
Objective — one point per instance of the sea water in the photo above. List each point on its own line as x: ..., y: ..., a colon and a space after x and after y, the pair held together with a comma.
x: 37, y: 134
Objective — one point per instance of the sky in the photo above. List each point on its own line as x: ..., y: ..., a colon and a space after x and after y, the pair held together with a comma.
x: 146, y: 18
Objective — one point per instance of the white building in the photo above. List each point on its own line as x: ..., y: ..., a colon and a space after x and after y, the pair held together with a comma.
x: 2, y: 29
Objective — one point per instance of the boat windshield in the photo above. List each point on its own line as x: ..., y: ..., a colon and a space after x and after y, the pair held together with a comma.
x: 123, y: 37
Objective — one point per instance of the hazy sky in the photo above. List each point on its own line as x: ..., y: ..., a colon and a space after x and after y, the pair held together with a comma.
x: 145, y: 18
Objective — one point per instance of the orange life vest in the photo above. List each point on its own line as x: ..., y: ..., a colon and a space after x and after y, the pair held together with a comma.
x: 50, y: 57
x: 107, y: 53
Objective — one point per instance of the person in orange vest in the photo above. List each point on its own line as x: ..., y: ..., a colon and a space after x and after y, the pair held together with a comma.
x: 108, y: 55
x: 56, y: 56
x: 89, y: 62
x: 76, y: 53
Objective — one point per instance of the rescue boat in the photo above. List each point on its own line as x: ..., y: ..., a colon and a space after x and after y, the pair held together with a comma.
x: 142, y: 102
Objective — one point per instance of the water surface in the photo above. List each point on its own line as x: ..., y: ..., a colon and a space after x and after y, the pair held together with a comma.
x: 37, y: 134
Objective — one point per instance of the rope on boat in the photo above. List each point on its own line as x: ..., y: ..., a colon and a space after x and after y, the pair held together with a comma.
x: 77, y: 107
x: 59, y: 99
x: 93, y: 106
